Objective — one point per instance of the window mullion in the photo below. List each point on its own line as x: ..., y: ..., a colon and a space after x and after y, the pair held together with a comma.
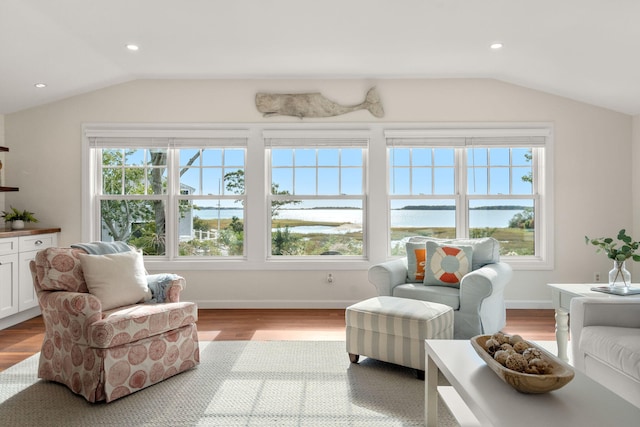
x: 172, y: 202
x: 511, y: 171
x: 461, y: 192
x: 317, y: 170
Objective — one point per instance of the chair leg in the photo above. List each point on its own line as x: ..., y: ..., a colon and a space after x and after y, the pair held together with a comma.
x: 354, y: 357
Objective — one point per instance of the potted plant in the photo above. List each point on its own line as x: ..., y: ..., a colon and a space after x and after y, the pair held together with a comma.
x: 619, y: 251
x: 17, y: 218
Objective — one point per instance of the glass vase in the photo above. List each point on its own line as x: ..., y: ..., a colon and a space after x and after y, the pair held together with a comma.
x: 619, y: 276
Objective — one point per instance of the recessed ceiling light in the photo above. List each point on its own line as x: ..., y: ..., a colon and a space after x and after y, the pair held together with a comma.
x: 133, y: 47
x: 40, y: 85
x: 496, y: 46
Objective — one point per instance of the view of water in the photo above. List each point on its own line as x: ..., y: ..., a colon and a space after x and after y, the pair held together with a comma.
x: 399, y: 218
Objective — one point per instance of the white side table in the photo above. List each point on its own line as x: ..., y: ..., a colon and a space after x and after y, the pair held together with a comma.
x: 561, y: 296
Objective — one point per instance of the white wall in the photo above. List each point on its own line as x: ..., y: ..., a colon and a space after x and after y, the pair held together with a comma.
x: 592, y: 174
x: 2, y: 143
x: 635, y: 189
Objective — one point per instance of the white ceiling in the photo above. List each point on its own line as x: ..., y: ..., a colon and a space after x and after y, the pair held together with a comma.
x: 587, y: 50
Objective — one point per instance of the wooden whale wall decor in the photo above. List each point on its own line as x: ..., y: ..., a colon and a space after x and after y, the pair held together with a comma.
x: 313, y: 105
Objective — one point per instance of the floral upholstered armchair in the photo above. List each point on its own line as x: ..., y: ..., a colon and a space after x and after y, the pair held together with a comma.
x: 101, y: 339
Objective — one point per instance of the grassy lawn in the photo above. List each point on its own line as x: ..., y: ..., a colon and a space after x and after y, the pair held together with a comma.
x: 512, y: 240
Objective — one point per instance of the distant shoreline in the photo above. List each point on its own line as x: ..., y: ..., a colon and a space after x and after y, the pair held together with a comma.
x: 453, y: 208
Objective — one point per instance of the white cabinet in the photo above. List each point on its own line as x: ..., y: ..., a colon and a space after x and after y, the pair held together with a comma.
x: 8, y: 280
x: 17, y: 293
x: 29, y: 247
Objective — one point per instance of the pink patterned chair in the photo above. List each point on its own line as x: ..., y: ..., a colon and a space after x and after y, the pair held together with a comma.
x: 105, y: 355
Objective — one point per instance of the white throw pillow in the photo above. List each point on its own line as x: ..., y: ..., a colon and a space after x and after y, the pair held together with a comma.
x: 116, y: 279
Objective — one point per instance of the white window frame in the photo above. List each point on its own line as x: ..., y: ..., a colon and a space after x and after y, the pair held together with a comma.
x: 318, y: 139
x: 97, y: 137
x: 204, y: 143
x: 539, y: 138
x: 257, y: 186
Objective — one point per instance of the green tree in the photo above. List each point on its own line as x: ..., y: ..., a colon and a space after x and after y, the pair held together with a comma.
x: 283, y: 242
x: 529, y: 176
x: 523, y: 219
x: 200, y: 224
x: 234, y: 183
x: 236, y: 226
x: 118, y: 216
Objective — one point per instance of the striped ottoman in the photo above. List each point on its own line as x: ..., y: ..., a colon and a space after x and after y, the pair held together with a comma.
x: 394, y: 329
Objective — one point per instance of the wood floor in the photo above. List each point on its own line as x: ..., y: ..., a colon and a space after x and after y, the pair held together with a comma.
x: 23, y: 340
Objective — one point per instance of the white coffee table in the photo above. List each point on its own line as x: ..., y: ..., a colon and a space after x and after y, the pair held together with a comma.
x: 561, y: 295
x: 478, y: 397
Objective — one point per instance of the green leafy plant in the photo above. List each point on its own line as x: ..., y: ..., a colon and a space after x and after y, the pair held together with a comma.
x: 16, y: 215
x: 618, y: 250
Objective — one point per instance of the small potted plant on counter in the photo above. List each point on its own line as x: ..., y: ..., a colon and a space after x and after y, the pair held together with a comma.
x: 18, y: 218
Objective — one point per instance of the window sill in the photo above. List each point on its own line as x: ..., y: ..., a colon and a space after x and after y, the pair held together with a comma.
x: 272, y: 265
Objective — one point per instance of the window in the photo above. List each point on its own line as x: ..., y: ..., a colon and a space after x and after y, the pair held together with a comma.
x: 171, y: 197
x: 133, y: 198
x: 317, y: 196
x: 467, y: 185
x: 422, y: 193
x: 211, y: 201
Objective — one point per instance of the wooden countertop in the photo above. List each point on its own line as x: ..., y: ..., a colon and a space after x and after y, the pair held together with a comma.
x: 7, y: 232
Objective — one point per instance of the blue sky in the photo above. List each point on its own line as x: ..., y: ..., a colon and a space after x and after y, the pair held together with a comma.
x: 415, y: 171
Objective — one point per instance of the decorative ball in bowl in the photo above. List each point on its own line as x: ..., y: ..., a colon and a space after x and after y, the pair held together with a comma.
x: 524, y: 366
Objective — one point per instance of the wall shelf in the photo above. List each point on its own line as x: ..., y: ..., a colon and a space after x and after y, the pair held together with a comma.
x: 3, y: 188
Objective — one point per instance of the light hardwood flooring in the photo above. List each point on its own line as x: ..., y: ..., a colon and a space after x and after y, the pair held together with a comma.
x: 23, y: 340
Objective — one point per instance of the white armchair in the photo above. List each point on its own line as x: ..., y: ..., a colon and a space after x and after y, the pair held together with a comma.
x: 605, y: 342
x: 478, y: 302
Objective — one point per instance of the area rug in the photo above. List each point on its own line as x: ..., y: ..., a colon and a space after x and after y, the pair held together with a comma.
x: 238, y: 383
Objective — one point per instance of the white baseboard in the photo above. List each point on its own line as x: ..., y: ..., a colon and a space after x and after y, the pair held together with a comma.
x: 273, y: 304
x: 19, y: 317
x: 513, y: 304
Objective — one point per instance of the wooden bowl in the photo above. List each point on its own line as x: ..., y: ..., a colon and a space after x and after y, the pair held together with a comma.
x: 561, y: 372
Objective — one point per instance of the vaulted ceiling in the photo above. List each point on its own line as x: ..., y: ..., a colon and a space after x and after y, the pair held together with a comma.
x: 587, y: 50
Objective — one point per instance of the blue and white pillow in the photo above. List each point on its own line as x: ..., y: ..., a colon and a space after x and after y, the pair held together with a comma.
x: 447, y: 264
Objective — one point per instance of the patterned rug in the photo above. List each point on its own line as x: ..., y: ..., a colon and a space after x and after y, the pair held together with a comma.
x: 238, y: 383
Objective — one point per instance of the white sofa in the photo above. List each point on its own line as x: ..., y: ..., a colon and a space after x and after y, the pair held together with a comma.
x: 478, y: 302
x: 605, y: 341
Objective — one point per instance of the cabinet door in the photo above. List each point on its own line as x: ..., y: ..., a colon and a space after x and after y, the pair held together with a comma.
x: 37, y: 242
x: 8, y: 285
x: 8, y: 246
x: 27, y: 294
x: 29, y: 247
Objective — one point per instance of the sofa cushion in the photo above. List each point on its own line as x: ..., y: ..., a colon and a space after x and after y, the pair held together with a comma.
x: 416, y: 260
x: 59, y: 269
x: 447, y: 264
x: 440, y: 294
x: 615, y: 346
x: 116, y: 279
x: 486, y: 250
x: 129, y: 324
